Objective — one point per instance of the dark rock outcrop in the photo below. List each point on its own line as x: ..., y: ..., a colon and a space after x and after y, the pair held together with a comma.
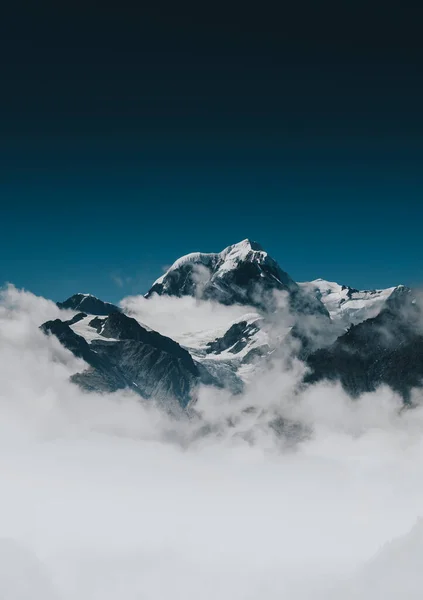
x: 387, y: 349
x: 76, y: 319
x: 150, y: 364
x: 234, y: 339
x: 241, y: 274
x: 89, y: 304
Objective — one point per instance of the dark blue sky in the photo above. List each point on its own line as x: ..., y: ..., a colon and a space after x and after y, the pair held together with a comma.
x: 129, y: 138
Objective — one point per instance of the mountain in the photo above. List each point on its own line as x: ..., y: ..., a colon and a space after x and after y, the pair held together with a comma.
x: 240, y: 274
x: 121, y: 353
x: 236, y: 338
x: 361, y: 338
x: 88, y: 304
x: 386, y: 349
x: 347, y: 305
x: 229, y: 356
x: 243, y: 273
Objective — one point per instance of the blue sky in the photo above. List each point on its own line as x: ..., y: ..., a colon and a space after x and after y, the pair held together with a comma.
x: 111, y: 235
x: 128, y: 140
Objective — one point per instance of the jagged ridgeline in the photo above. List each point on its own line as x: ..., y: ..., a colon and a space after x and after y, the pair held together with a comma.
x: 361, y: 338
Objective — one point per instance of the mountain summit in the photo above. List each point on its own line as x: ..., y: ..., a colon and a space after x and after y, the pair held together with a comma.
x: 243, y: 273
x: 361, y: 338
x: 89, y: 304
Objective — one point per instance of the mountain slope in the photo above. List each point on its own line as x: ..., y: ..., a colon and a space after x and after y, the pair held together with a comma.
x: 88, y: 304
x: 243, y: 273
x: 362, y: 338
x: 347, y: 305
x: 122, y: 354
x: 387, y: 349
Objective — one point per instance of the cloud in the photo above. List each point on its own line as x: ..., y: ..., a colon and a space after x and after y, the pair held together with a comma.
x: 183, y: 318
x: 121, y: 280
x: 117, y: 279
x: 200, y: 276
x: 22, y: 573
x: 103, y: 496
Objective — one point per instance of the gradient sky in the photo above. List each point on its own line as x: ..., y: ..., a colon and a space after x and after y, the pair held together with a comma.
x: 131, y: 136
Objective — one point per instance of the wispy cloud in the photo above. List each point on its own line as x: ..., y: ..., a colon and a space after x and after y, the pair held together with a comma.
x: 121, y: 280
x: 103, y: 496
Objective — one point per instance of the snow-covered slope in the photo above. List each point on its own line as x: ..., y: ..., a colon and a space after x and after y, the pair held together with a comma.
x: 243, y: 273
x: 347, y: 305
x: 236, y: 348
x: 338, y: 330
x: 384, y: 350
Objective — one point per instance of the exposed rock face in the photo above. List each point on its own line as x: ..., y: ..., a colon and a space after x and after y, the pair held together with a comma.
x: 241, y: 274
x: 68, y: 338
x: 76, y: 318
x: 362, y: 338
x: 234, y: 339
x: 88, y: 304
x: 122, y: 327
x: 387, y: 349
x: 132, y: 357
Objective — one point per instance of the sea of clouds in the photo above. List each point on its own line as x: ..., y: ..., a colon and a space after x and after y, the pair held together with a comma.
x: 106, y: 497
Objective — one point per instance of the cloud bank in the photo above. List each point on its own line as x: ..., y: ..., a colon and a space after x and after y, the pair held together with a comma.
x: 103, y: 496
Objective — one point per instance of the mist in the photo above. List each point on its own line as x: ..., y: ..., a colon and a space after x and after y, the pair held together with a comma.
x: 106, y: 496
x: 182, y: 318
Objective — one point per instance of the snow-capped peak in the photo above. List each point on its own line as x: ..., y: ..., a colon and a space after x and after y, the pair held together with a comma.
x: 346, y: 304
x: 245, y: 250
x: 246, y: 245
x: 238, y: 274
x: 229, y: 257
x: 85, y: 295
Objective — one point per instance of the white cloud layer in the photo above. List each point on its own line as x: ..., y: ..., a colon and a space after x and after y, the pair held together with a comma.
x: 182, y: 318
x: 104, y: 498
